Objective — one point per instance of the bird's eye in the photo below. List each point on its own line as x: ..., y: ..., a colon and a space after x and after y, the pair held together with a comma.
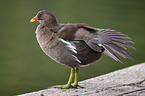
x: 39, y: 16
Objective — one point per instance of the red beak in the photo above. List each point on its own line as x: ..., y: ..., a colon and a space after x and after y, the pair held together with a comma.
x: 34, y: 19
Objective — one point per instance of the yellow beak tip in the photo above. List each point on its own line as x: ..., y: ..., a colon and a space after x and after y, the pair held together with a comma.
x: 32, y: 20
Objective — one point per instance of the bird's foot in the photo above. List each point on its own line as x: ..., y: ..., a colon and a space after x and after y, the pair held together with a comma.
x: 63, y: 86
x: 67, y: 86
x: 77, y: 86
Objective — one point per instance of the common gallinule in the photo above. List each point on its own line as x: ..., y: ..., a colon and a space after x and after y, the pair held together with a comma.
x: 78, y: 45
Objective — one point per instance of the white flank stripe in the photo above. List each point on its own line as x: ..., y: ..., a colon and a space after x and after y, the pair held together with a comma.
x: 76, y: 59
x: 69, y: 45
x: 100, y: 44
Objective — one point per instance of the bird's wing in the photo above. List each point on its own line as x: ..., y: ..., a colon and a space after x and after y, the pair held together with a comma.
x: 114, y: 43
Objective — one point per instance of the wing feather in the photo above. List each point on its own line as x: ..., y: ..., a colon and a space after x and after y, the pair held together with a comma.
x: 119, y: 52
x: 117, y: 58
x: 114, y: 43
x: 123, y: 44
x: 122, y: 40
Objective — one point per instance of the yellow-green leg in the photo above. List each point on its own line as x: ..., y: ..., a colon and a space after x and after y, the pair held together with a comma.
x: 76, y: 79
x: 68, y: 85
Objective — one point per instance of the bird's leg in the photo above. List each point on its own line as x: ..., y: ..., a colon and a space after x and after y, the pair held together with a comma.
x: 68, y: 85
x: 76, y: 79
x: 71, y: 77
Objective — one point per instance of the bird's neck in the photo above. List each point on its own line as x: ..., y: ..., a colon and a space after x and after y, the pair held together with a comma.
x: 49, y: 23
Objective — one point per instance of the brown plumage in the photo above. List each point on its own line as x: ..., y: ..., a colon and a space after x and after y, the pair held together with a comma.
x: 77, y: 45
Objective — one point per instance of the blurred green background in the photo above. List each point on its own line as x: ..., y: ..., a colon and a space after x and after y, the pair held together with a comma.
x: 23, y: 65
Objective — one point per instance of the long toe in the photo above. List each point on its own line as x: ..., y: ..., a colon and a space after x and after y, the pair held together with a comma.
x: 63, y: 86
x: 78, y: 86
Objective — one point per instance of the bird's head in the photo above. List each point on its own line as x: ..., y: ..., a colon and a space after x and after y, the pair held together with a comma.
x: 45, y: 16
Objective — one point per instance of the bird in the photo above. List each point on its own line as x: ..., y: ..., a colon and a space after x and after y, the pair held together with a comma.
x: 78, y: 45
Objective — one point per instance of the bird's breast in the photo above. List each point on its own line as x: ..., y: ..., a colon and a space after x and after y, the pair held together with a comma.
x: 58, y: 49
